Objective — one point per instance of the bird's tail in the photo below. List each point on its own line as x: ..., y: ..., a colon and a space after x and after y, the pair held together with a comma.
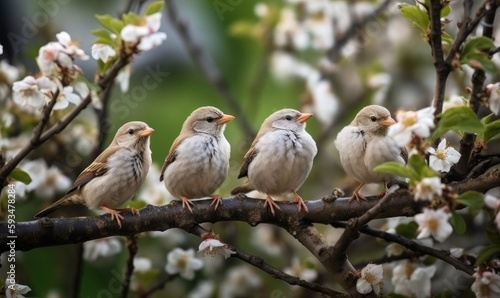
x: 69, y: 199
x: 246, y: 187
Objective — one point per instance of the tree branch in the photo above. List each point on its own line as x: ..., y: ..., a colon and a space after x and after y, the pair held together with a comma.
x: 77, y: 277
x: 159, y: 286
x: 208, y: 68
x: 132, y: 251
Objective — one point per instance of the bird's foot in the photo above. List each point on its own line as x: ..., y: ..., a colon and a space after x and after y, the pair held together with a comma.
x: 115, y: 214
x: 186, y: 203
x: 269, y: 201
x: 384, y: 191
x: 300, y: 202
x: 356, y: 196
x: 217, y: 200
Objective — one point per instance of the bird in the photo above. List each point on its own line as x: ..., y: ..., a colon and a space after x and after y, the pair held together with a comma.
x: 114, y: 176
x: 364, y: 144
x: 198, y: 161
x: 280, y: 158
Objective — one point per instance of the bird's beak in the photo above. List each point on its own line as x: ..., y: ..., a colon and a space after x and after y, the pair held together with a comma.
x: 388, y: 122
x: 225, y: 119
x: 146, y: 132
x: 304, y: 117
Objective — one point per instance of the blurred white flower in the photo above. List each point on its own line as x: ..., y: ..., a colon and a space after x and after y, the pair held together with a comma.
x: 453, y: 102
x: 37, y: 170
x: 1, y: 49
x: 102, y: 52
x: 321, y: 29
x: 381, y: 83
x: 213, y: 247
x: 284, y: 65
x: 493, y: 90
x: 152, y: 192
x: 435, y: 223
x: 486, y: 284
x: 299, y: 270
x: 443, y: 158
x: 261, y: 9
x: 147, y: 35
x: 456, y: 252
x: 142, y: 264
x: 325, y: 102
x: 239, y: 282
x: 394, y: 249
x: 204, y: 289
x: 66, y: 96
x: 427, y: 188
x: 171, y: 237
x: 411, y: 122
x: 104, y: 247
x: 372, y: 276
x: 31, y: 91
x: 8, y: 74
x: 268, y: 239
x: 393, y: 222
x: 412, y: 282
x: 55, y: 182
x: 123, y: 78
x: 14, y: 290
x: 183, y: 262
x: 494, y: 203
x: 289, y: 30
x: 70, y: 47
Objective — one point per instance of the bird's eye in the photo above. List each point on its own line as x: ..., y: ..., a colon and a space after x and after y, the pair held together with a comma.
x: 288, y: 117
x: 373, y: 118
x: 209, y: 119
x: 130, y: 131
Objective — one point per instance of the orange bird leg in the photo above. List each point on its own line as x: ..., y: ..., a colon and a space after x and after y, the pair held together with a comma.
x: 300, y: 203
x: 271, y: 203
x: 217, y: 200
x: 187, y: 203
x: 356, y: 195
x: 115, y: 214
x: 384, y: 191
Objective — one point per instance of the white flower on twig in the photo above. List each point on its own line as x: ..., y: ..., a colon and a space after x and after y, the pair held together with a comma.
x: 443, y: 158
x: 31, y: 91
x: 372, y: 276
x: 411, y: 281
x: 55, y: 182
x: 70, y: 47
x: 493, y: 91
x: 183, y: 262
x: 239, y: 282
x: 211, y: 246
x: 147, y: 35
x: 102, y: 52
x: 486, y: 284
x: 408, y: 123
x: 14, y: 290
x: 427, y: 188
x: 434, y: 223
x: 299, y: 270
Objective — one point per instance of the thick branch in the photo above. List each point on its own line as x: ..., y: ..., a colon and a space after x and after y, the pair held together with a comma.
x: 208, y: 68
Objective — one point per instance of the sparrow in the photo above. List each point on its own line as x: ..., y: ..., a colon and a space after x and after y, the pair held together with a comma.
x: 280, y: 157
x: 364, y: 144
x: 114, y: 176
x: 198, y: 161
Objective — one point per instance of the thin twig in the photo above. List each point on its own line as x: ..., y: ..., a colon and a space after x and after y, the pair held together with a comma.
x: 158, y: 286
x: 208, y: 68
x: 414, y: 246
x: 132, y: 251
x: 77, y: 277
x: 388, y: 259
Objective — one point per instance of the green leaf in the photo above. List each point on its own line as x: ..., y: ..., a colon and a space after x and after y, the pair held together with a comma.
x: 408, y: 230
x: 492, y: 130
x: 419, y: 168
x: 110, y: 23
x: 136, y: 204
x: 20, y: 175
x: 393, y: 167
x: 458, y: 223
x: 487, y: 119
x: 476, y: 45
x: 492, y: 233
x: 473, y: 199
x: 132, y: 19
x: 243, y: 29
x: 445, y: 10
x: 418, y: 17
x: 460, y: 119
x: 486, y: 253
x: 446, y: 38
x: 154, y: 7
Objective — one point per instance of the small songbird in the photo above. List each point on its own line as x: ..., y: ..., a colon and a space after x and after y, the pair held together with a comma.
x: 280, y: 157
x: 114, y: 176
x: 198, y: 161
x: 364, y: 144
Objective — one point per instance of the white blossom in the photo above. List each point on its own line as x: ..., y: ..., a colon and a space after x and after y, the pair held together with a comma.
x: 435, y: 223
x: 31, y: 91
x: 443, y: 158
x: 204, y: 289
x: 104, y: 247
x: 37, y: 170
x: 261, y: 9
x: 55, y: 182
x: 102, y: 52
x: 8, y: 73
x: 427, y: 188
x: 321, y: 30
x: 70, y: 47
x: 494, y: 203
x: 325, y: 102
x: 456, y: 252
x: 152, y: 192
x: 299, y: 270
x: 123, y: 78
x: 486, y: 284
x: 142, y: 264
x: 14, y: 290
x: 394, y: 249
x: 1, y: 49
x: 147, y: 35
x: 453, y: 102
x: 183, y: 262
x: 66, y: 96
x: 411, y: 281
x: 289, y: 29
x: 408, y: 123
x: 494, y: 97
x: 213, y: 247
x: 372, y: 276
x: 239, y: 282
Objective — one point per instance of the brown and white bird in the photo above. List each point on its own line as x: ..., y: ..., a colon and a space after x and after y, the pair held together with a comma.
x: 364, y: 144
x: 198, y: 161
x: 114, y: 176
x: 280, y: 158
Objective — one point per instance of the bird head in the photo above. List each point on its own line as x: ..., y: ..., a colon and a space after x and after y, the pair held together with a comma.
x: 375, y: 119
x: 209, y: 120
x: 286, y: 119
x: 133, y: 134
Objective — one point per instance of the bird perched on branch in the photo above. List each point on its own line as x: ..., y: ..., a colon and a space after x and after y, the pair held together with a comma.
x: 114, y: 176
x: 364, y: 144
x: 280, y: 158
x: 198, y: 161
